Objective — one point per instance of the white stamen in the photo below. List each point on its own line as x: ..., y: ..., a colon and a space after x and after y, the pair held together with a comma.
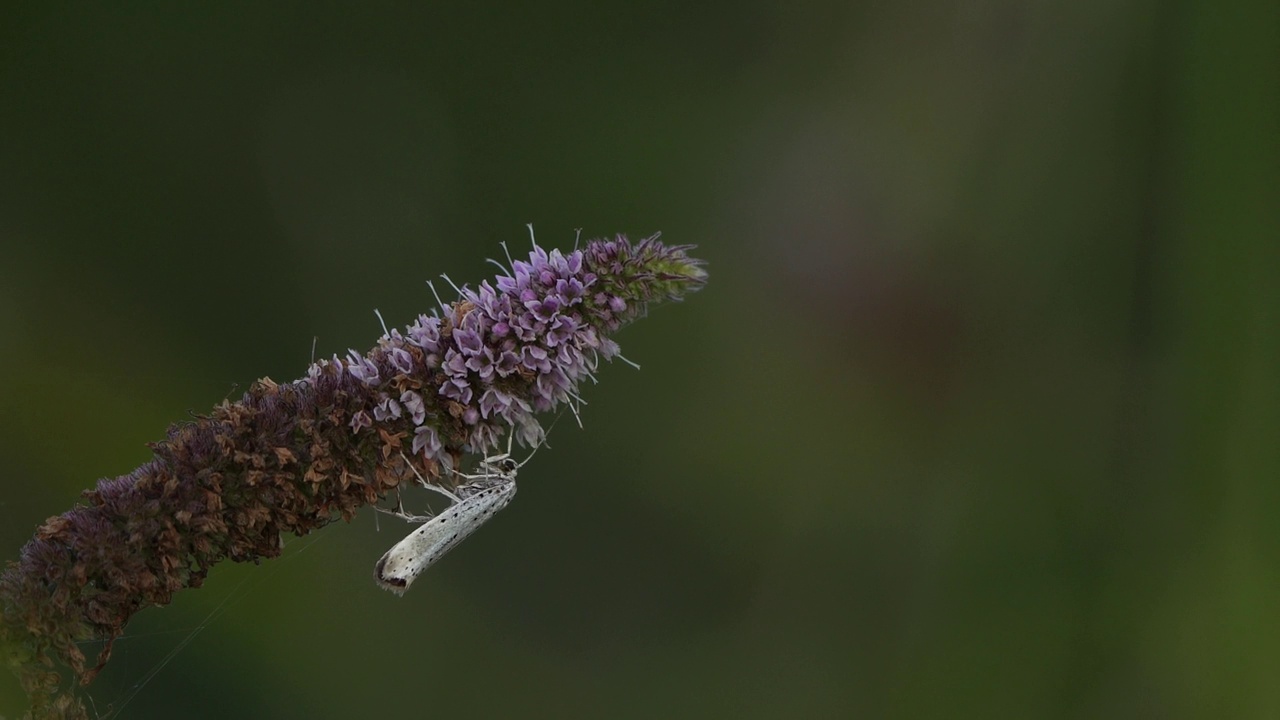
x: 443, y: 308
x: 455, y: 287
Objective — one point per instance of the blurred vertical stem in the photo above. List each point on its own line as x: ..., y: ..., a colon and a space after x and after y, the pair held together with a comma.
x: 1223, y: 643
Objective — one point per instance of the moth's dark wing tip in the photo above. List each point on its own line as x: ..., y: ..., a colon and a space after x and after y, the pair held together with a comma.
x: 394, y: 584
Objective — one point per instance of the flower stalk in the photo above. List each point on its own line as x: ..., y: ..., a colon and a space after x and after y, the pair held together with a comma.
x: 293, y: 457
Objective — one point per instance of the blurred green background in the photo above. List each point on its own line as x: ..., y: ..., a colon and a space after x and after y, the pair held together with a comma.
x: 976, y: 417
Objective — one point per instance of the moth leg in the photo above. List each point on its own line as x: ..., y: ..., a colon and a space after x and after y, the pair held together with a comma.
x: 401, y: 513
x: 399, y: 510
x: 443, y: 491
x: 427, y: 484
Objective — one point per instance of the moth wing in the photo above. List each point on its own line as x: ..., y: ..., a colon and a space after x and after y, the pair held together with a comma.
x: 423, y: 547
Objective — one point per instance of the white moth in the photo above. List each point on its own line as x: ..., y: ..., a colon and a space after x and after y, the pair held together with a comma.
x: 488, y: 492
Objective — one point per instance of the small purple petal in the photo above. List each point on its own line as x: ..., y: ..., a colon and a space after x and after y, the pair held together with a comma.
x: 529, y: 431
x: 360, y: 420
x: 483, y: 437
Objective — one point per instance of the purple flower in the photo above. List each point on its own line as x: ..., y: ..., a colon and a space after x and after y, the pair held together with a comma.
x: 507, y: 363
x: 608, y: 349
x: 362, y: 368
x: 456, y: 389
x: 544, y: 309
x: 553, y: 385
x: 494, y: 402
x: 427, y: 441
x: 516, y: 346
x: 401, y: 359
x: 527, y: 328
x: 569, y: 357
x: 386, y: 408
x: 425, y: 333
x: 360, y: 420
x: 483, y: 435
x: 535, y: 359
x: 561, y: 331
x: 518, y: 282
x: 482, y: 364
x: 469, y: 341
x: 475, y: 321
x: 316, y: 370
x: 412, y: 402
x: 570, y: 290
x: 497, y: 404
x: 455, y: 364
x: 485, y: 299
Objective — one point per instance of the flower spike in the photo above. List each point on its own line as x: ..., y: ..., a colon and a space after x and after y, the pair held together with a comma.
x: 293, y: 457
